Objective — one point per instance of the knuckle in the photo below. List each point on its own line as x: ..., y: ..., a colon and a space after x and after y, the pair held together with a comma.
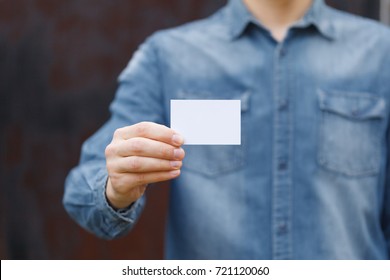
x: 135, y: 163
x: 118, y: 133
x: 110, y: 150
x: 136, y: 145
x: 110, y: 167
x: 141, y: 128
x: 166, y: 152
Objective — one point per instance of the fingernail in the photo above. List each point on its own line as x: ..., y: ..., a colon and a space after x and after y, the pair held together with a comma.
x: 178, y: 153
x: 175, y: 164
x: 175, y: 172
x: 177, y: 139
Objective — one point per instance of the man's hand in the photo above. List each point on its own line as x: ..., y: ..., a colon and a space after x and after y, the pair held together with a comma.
x: 138, y: 155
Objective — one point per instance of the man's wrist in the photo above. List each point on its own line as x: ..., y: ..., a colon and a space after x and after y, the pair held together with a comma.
x: 117, y: 206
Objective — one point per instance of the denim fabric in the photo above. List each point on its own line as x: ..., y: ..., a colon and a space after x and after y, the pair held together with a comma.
x: 311, y: 179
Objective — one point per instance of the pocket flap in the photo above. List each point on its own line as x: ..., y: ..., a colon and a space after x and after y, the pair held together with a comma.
x: 244, y: 96
x: 354, y: 105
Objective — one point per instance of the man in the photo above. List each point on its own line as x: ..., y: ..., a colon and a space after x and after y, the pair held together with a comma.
x: 311, y: 179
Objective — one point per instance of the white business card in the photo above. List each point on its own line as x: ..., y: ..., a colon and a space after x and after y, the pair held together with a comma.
x: 207, y: 122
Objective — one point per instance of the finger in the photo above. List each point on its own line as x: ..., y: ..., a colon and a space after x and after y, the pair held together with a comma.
x: 152, y: 131
x: 136, y: 164
x: 137, y: 179
x: 149, y: 148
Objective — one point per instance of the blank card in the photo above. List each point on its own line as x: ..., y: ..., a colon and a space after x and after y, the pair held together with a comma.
x: 207, y: 122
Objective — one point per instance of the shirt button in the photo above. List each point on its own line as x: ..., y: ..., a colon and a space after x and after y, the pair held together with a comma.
x: 283, y: 105
x: 282, y: 165
x: 282, y: 228
x: 283, y: 52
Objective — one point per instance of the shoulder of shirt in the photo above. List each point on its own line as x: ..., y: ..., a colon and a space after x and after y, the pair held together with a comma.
x: 347, y: 25
x: 214, y: 26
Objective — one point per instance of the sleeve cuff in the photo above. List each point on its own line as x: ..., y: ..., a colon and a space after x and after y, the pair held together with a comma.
x: 120, y: 220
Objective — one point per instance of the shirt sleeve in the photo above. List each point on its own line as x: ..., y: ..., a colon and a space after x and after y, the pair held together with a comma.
x: 137, y: 99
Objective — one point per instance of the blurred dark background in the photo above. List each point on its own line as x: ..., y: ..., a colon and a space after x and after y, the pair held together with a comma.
x: 59, y: 61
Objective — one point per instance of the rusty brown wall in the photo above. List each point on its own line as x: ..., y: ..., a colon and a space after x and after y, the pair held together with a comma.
x: 59, y: 60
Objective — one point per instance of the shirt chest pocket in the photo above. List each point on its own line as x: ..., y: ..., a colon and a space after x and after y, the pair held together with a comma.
x: 213, y: 160
x: 351, y: 132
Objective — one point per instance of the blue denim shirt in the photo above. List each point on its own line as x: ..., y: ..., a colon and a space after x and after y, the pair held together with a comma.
x: 311, y: 179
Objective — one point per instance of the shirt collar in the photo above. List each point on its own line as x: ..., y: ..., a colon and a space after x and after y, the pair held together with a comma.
x: 239, y: 18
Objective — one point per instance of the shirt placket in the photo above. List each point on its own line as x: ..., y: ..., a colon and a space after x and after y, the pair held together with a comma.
x: 281, y: 214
